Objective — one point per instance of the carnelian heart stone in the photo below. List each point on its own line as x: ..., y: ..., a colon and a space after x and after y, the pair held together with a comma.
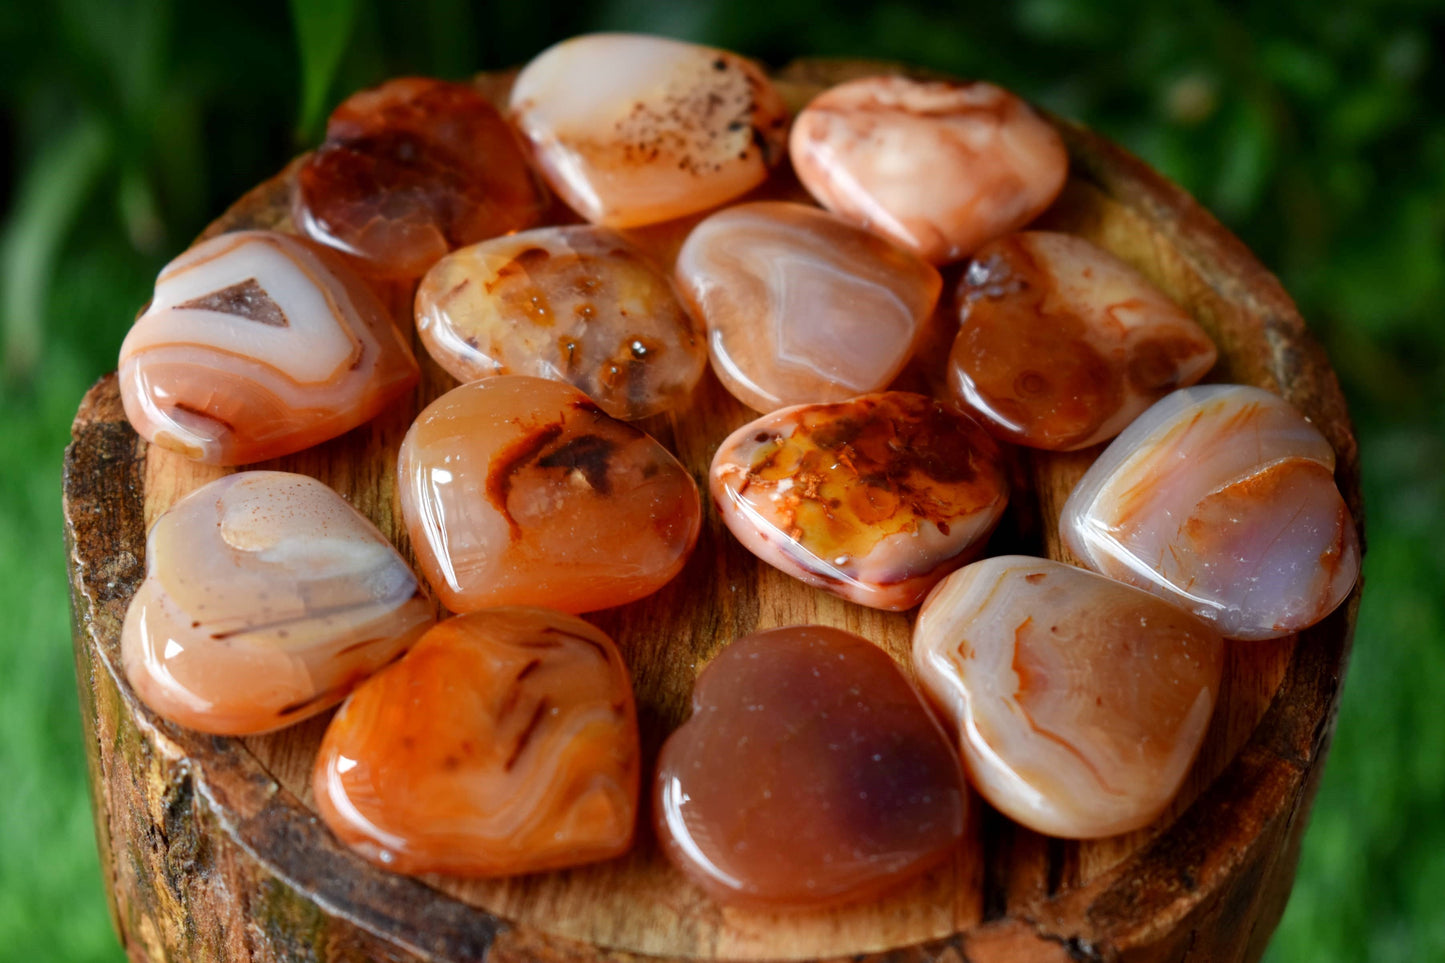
x: 873, y: 499
x: 1061, y: 345
x: 411, y: 170
x: 939, y: 168
x: 1080, y: 702
x: 575, y: 304
x: 810, y: 773
x: 266, y: 599
x: 256, y: 345
x: 504, y: 742
x: 521, y: 491
x: 632, y: 130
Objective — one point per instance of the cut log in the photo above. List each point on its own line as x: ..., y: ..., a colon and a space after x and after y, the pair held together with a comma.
x: 211, y: 848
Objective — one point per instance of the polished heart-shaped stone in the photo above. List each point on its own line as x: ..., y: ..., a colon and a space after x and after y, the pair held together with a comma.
x: 411, y: 170
x: 521, y: 491
x: 940, y: 168
x: 266, y: 599
x: 258, y: 344
x: 575, y: 304
x: 809, y: 774
x: 630, y: 129
x: 800, y: 306
x: 1079, y: 702
x: 1221, y: 499
x: 1061, y: 344
x: 504, y: 742
x: 873, y: 499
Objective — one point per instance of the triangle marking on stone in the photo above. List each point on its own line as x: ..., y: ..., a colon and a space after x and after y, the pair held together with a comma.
x: 246, y: 299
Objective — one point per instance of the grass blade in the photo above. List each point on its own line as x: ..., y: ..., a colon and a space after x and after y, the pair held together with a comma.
x: 53, y: 191
x: 323, y: 29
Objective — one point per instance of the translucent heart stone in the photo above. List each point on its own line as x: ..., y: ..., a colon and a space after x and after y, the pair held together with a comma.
x: 1080, y: 702
x: 1221, y: 499
x: 574, y: 304
x: 410, y: 170
x: 632, y: 129
x: 504, y: 742
x: 810, y: 773
x: 873, y: 499
x: 938, y: 167
x: 266, y: 598
x: 521, y: 491
x: 801, y: 306
x: 256, y: 345
x: 1062, y: 344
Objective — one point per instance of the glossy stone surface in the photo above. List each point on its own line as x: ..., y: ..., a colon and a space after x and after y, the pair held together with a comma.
x: 1079, y: 702
x: 504, y: 742
x: 255, y: 345
x: 574, y: 304
x: 1221, y: 499
x: 873, y: 499
x: 410, y: 170
x: 632, y: 129
x: 800, y: 306
x: 939, y: 168
x: 266, y: 598
x: 810, y: 773
x: 521, y: 491
x: 1061, y: 344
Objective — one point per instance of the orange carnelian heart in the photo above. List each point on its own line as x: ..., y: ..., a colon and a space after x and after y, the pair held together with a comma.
x: 410, y: 170
x: 504, y: 742
x: 1061, y: 344
x: 576, y: 304
x: 873, y: 499
x: 809, y: 774
x: 521, y: 491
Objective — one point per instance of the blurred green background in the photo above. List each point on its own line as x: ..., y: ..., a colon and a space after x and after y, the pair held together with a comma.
x: 1315, y: 131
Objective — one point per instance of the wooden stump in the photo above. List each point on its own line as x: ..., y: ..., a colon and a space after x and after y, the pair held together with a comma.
x: 211, y: 849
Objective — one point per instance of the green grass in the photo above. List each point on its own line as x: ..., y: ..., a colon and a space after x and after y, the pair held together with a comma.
x: 52, y: 904
x: 1312, y: 131
x: 1374, y: 860
x: 46, y: 838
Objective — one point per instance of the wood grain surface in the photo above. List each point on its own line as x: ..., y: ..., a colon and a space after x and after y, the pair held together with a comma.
x: 212, y: 851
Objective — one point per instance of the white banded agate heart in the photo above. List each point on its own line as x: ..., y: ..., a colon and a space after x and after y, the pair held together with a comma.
x: 873, y: 499
x: 575, y: 304
x: 1061, y: 344
x: 255, y: 345
x: 802, y: 307
x: 1221, y: 499
x: 939, y: 168
x: 1079, y: 702
x: 631, y: 129
x: 266, y: 599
